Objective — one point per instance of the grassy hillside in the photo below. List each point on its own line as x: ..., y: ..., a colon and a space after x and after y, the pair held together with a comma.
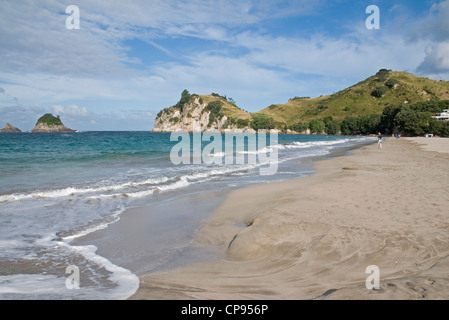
x: 230, y: 110
x: 390, y: 100
x: 368, y: 97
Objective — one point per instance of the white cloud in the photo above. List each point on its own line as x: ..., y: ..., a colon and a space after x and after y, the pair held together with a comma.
x: 71, y: 110
x: 434, y: 29
x: 34, y: 40
x: 90, y: 73
x: 437, y: 59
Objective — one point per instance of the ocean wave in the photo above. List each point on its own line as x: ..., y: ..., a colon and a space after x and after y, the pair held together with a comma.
x: 92, y: 228
x: 177, y: 183
x: 310, y: 144
x: 73, y: 191
x: 178, y: 179
x: 268, y: 149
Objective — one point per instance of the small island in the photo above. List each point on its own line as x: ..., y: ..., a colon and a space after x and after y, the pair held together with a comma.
x: 50, y: 123
x: 10, y: 128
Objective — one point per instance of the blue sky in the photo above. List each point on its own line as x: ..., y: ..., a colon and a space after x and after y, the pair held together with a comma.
x: 130, y: 59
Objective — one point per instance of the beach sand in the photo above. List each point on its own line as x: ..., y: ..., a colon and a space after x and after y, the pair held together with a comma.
x: 314, y: 237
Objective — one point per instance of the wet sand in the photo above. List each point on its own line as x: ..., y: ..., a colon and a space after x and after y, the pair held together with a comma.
x: 314, y: 237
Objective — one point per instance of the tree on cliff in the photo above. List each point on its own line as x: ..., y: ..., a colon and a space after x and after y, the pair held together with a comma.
x: 185, y: 98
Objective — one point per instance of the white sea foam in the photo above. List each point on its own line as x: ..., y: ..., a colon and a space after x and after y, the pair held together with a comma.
x: 29, y: 284
x: 127, y: 282
x: 73, y: 191
x: 309, y: 144
x: 217, y: 154
x: 92, y: 229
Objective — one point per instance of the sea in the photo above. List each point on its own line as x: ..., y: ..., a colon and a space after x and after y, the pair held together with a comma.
x: 65, y: 198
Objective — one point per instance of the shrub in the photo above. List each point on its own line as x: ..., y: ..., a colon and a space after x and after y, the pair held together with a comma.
x: 262, y: 121
x: 316, y: 126
x: 299, y: 127
x: 350, y: 126
x: 387, y: 124
x: 411, y: 122
x: 368, y: 124
x: 218, y: 96
x: 215, y: 111
x: 185, y: 98
x: 242, y: 123
x: 331, y: 126
x: 383, y: 74
x: 391, y: 82
x: 379, y: 91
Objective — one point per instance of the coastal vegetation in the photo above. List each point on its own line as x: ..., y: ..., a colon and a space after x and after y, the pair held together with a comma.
x: 410, y: 120
x: 389, y: 102
x: 214, y: 107
x: 262, y: 121
x: 49, y: 120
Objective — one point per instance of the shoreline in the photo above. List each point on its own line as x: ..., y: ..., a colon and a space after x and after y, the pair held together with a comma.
x: 314, y: 237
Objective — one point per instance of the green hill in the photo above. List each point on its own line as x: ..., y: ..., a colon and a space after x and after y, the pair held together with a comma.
x: 368, y: 97
x: 230, y: 110
x: 389, y: 101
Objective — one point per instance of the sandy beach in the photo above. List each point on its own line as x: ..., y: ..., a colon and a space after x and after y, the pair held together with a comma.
x: 314, y: 237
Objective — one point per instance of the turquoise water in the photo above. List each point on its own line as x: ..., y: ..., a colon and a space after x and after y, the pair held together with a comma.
x: 57, y: 187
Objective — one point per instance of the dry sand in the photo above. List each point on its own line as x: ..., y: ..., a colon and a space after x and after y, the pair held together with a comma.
x: 314, y: 237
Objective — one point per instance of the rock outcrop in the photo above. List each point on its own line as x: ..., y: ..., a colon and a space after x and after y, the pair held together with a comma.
x: 195, y: 113
x: 50, y: 123
x: 10, y: 128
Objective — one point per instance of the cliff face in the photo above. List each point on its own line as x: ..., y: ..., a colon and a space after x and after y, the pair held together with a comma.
x: 9, y: 128
x: 202, y: 113
x: 49, y: 123
x: 42, y: 127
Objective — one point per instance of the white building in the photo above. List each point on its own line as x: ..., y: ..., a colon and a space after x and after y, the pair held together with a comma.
x: 442, y: 116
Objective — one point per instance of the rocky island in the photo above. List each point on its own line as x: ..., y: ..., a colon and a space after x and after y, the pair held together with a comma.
x: 50, y: 123
x: 10, y: 128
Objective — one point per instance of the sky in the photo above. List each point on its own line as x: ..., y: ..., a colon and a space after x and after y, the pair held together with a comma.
x: 130, y: 59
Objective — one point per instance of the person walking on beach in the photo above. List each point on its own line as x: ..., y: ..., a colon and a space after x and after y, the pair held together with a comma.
x: 379, y: 141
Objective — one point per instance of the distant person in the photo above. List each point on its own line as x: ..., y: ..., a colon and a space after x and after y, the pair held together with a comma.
x: 398, y: 136
x: 379, y: 141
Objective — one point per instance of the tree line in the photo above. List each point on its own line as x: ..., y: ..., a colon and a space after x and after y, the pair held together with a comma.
x: 405, y: 119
